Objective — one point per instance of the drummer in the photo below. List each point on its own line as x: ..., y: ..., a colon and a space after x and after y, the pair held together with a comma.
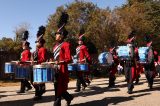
x: 40, y: 56
x: 25, y: 56
x: 61, y: 56
x: 113, y: 68
x: 131, y: 64
x: 150, y: 70
x: 82, y: 56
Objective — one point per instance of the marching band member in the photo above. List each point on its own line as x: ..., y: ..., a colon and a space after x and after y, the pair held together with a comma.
x: 40, y: 57
x: 83, y: 56
x: 62, y: 56
x: 150, y: 68
x: 25, y: 56
x: 113, y: 68
x: 131, y: 65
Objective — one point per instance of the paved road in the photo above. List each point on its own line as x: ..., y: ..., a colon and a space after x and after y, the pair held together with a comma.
x: 97, y: 94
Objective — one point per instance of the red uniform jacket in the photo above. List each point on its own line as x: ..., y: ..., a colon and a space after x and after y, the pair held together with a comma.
x: 113, y: 69
x: 25, y: 55
x: 84, y: 54
x: 139, y: 68
x: 63, y: 79
x: 42, y: 52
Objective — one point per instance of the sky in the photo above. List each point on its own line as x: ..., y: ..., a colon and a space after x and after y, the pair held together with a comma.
x: 35, y: 13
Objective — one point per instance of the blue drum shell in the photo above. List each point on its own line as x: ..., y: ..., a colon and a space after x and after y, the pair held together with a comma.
x: 22, y: 72
x: 42, y: 75
x: 143, y: 54
x: 9, y: 68
x: 72, y: 67
x: 82, y: 67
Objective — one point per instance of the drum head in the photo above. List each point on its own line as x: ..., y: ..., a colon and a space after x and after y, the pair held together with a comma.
x: 102, y: 58
x: 125, y: 52
x: 109, y: 58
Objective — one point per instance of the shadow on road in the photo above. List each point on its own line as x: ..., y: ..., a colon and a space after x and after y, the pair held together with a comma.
x: 110, y: 100
x: 27, y: 102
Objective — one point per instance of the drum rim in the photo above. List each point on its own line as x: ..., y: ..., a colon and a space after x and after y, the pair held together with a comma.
x: 72, y: 64
x: 41, y: 66
x: 9, y: 63
x: 82, y: 64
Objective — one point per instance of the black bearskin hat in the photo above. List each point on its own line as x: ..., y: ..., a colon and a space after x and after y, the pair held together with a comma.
x: 25, y: 35
x: 61, y: 24
x: 40, y: 34
x: 148, y: 38
x: 132, y: 34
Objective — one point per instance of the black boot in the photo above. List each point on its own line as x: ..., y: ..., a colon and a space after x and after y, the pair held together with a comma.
x: 38, y: 92
x: 57, y: 101
x: 137, y: 81
x: 130, y: 88
x: 82, y: 81
x: 22, y: 87
x: 27, y: 84
x: 111, y: 81
x: 151, y: 83
x: 78, y: 85
x: 68, y: 97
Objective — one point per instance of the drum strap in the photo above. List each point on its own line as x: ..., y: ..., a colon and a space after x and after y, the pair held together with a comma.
x: 56, y: 51
x: 78, y: 51
x: 35, y: 55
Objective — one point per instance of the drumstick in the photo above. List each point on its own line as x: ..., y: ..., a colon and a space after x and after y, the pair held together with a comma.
x: 24, y: 61
x: 51, y: 62
x: 14, y: 61
x: 30, y: 61
x: 83, y: 60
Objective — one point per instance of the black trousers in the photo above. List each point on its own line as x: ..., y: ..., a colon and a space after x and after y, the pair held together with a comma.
x: 24, y: 83
x: 80, y: 80
x: 112, y: 79
x: 149, y: 73
x: 65, y: 95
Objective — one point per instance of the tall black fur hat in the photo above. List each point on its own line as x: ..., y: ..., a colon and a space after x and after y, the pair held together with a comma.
x: 61, y: 24
x: 25, y: 35
x: 40, y: 33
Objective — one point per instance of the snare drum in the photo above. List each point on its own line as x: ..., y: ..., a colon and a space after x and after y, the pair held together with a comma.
x: 82, y: 67
x: 105, y: 58
x: 10, y: 68
x: 22, y: 72
x: 125, y: 52
x: 72, y: 67
x: 42, y: 73
x: 145, y: 55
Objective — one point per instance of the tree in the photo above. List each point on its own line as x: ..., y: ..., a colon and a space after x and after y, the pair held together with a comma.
x: 82, y: 14
x: 103, y: 26
x: 19, y: 30
x: 8, y: 44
